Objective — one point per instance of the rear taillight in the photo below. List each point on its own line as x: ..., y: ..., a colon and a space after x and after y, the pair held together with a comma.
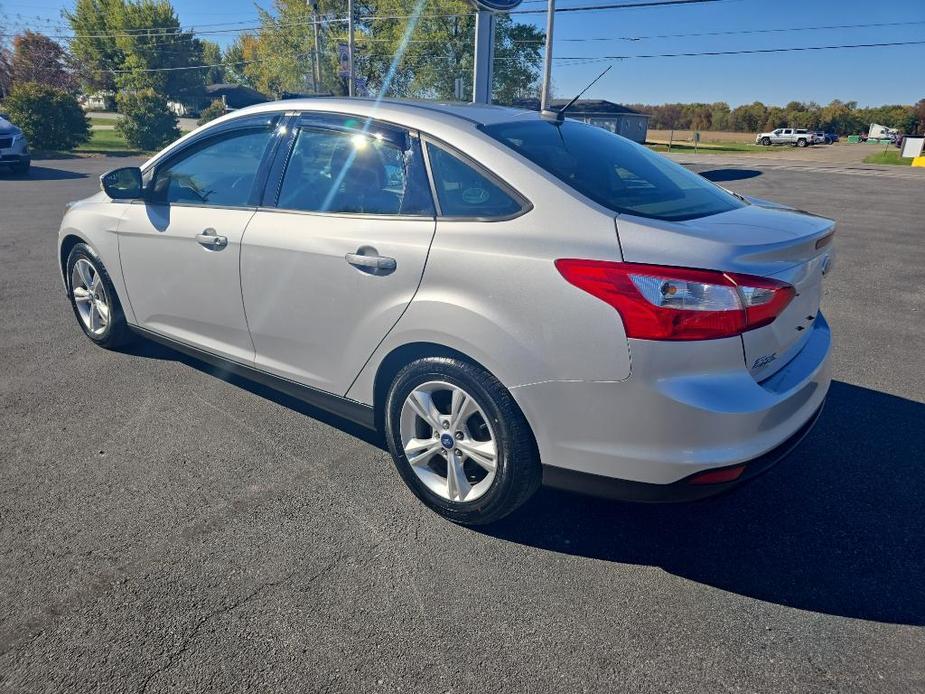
x: 673, y: 303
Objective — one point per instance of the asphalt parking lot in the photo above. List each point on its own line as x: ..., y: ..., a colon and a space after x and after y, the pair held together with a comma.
x: 165, y: 528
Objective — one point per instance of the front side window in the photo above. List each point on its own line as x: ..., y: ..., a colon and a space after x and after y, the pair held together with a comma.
x: 613, y: 171
x: 358, y: 171
x: 464, y: 192
x: 220, y: 171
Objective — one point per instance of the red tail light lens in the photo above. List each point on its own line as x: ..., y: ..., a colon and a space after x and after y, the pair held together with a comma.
x: 671, y: 303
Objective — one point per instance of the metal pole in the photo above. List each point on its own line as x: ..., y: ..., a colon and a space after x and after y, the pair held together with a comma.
x: 484, y: 57
x: 350, y: 84
x: 547, y: 63
x: 314, y: 6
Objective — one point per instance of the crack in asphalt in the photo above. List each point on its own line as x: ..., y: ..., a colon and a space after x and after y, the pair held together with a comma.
x: 188, y: 641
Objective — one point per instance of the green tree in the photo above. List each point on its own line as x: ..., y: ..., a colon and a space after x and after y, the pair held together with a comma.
x: 94, y: 46
x: 210, y: 53
x: 134, y: 44
x: 423, y: 59
x: 211, y: 112
x: 51, y: 118
x: 147, y: 123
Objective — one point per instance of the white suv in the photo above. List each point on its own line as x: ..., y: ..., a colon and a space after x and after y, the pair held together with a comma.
x: 799, y: 137
x: 510, y: 299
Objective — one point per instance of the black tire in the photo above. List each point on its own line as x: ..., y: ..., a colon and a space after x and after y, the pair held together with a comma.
x: 766, y: 141
x: 117, y: 333
x: 518, y: 474
x: 801, y: 142
x: 22, y: 168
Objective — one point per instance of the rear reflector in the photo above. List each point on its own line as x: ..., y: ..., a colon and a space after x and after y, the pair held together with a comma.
x: 673, y: 303
x: 728, y: 474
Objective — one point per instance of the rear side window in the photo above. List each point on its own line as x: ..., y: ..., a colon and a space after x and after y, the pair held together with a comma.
x: 354, y: 171
x: 464, y: 192
x: 219, y: 171
x: 613, y: 171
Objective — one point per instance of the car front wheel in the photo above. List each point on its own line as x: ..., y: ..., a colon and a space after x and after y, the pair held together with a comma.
x: 94, y: 299
x: 459, y: 440
x: 766, y: 141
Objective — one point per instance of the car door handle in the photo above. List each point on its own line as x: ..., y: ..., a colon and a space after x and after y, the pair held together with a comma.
x: 369, y: 260
x: 210, y: 239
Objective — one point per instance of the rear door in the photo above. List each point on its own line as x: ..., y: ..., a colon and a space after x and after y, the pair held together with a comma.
x: 179, y: 248
x: 332, y: 261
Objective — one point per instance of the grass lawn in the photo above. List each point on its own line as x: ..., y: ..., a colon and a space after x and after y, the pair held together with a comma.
x: 708, y: 147
x: 106, y: 142
x: 103, y: 121
x: 889, y: 156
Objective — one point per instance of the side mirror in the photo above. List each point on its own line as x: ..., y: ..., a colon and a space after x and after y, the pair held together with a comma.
x: 122, y: 184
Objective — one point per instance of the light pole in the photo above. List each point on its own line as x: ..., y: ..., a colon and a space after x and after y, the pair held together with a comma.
x: 547, y: 61
x: 350, y: 83
x: 313, y: 4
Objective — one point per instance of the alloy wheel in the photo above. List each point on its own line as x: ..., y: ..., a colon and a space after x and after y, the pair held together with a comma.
x: 448, y: 441
x: 90, y: 297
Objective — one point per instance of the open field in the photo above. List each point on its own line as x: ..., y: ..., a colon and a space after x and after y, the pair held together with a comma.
x: 720, y: 136
x: 710, y: 148
x: 168, y: 527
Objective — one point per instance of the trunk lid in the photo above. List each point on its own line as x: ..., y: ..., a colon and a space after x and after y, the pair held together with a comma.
x: 760, y: 239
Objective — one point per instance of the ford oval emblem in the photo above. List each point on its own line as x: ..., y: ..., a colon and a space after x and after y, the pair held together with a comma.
x: 446, y: 440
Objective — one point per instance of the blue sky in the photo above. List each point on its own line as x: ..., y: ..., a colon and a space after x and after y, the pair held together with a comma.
x: 870, y: 76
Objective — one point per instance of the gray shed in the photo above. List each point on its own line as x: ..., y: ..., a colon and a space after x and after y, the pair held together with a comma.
x: 604, y: 114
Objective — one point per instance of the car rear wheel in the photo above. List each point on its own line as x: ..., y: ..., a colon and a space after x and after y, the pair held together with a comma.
x: 459, y: 440
x: 766, y: 141
x: 94, y: 299
x: 801, y: 142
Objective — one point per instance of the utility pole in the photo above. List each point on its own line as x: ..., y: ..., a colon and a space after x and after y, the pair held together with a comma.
x: 313, y: 4
x: 547, y: 62
x: 350, y: 84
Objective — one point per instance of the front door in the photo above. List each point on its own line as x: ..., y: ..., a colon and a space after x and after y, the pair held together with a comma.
x: 180, y: 248
x: 328, y: 272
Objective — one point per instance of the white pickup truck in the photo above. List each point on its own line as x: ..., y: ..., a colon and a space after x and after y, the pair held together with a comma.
x: 800, y: 137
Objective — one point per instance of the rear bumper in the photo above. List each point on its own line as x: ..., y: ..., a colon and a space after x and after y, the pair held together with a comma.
x: 685, y: 409
x: 680, y: 491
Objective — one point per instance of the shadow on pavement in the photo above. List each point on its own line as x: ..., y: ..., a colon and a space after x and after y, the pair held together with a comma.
x: 717, y: 175
x: 153, y: 350
x: 838, y: 527
x: 42, y: 173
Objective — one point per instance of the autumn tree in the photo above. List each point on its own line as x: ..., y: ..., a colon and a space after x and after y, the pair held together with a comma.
x: 37, y: 58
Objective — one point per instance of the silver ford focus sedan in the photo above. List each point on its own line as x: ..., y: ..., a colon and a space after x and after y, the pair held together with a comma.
x: 510, y: 298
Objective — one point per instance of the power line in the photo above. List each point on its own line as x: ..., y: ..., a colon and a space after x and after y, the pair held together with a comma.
x: 751, y: 51
x: 733, y: 32
x: 621, y: 6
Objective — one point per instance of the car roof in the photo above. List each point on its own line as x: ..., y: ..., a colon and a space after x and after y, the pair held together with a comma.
x: 410, y: 112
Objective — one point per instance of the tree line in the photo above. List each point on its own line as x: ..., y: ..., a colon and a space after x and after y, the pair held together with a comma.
x: 843, y: 117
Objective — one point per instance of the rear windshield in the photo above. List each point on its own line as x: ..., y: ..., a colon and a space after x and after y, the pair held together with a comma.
x: 613, y: 171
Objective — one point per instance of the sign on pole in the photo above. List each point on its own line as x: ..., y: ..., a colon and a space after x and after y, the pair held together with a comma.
x: 485, y: 45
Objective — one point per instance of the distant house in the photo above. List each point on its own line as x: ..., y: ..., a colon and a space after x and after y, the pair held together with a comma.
x: 98, y: 101
x: 604, y: 114
x: 234, y: 96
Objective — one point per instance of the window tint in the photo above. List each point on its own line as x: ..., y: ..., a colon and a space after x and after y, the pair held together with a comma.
x: 220, y: 171
x: 613, y: 171
x: 356, y: 172
x: 464, y: 192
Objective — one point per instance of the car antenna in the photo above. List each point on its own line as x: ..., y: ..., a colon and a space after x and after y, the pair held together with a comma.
x: 559, y: 116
